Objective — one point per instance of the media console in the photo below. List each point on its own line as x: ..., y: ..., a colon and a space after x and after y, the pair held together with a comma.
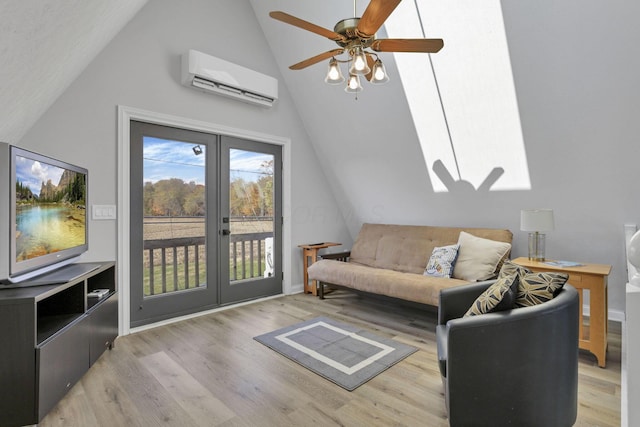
x: 50, y: 336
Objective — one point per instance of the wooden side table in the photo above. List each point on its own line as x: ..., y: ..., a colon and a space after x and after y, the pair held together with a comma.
x: 593, y: 278
x: 309, y: 256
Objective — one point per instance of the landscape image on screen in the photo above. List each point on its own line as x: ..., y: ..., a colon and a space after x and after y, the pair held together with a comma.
x: 50, y: 209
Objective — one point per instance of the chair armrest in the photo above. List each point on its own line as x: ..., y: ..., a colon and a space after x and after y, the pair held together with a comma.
x: 338, y: 256
x: 454, y: 302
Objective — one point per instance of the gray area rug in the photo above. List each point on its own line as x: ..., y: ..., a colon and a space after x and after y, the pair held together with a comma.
x: 347, y: 355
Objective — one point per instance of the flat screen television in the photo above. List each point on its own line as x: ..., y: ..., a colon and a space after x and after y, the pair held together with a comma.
x: 47, y: 214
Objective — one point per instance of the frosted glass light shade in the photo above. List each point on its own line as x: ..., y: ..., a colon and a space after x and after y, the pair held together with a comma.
x: 359, y: 64
x: 334, y: 75
x: 379, y: 73
x: 353, y: 84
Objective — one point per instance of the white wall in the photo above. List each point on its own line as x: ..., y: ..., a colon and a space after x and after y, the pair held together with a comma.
x: 575, y: 70
x: 140, y: 68
x: 576, y: 80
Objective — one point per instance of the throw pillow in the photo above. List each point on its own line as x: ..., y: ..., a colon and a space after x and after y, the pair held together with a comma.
x: 499, y: 296
x: 536, y: 288
x: 478, y: 258
x: 509, y: 268
x: 442, y: 260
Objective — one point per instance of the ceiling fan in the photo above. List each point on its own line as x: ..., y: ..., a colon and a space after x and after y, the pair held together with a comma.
x: 356, y: 37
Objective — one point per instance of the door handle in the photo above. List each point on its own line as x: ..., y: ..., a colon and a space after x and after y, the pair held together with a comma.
x: 226, y: 232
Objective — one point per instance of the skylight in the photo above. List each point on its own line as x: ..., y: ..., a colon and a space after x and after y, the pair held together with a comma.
x: 462, y: 99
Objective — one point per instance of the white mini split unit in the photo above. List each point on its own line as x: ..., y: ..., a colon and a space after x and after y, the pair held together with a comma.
x: 215, y: 75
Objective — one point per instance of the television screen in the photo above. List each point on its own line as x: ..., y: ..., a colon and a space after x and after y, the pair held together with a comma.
x: 48, y: 209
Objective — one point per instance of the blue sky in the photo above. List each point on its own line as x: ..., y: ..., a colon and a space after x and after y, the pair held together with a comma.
x: 164, y: 159
x: 33, y: 173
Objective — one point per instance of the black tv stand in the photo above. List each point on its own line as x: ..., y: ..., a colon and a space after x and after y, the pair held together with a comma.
x: 51, y: 335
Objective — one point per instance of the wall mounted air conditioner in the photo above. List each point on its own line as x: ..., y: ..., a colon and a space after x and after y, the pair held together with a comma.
x: 215, y: 75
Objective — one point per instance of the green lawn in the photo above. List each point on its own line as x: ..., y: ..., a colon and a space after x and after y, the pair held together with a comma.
x: 181, y: 285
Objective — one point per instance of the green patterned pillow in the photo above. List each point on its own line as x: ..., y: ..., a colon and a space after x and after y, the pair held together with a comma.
x: 499, y: 296
x: 536, y: 288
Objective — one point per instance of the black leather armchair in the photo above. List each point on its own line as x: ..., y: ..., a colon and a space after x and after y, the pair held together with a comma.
x: 517, y: 367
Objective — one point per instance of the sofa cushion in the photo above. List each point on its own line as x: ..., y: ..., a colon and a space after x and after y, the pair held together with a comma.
x: 536, y: 288
x: 442, y: 261
x: 407, y: 286
x: 498, y: 297
x: 479, y: 258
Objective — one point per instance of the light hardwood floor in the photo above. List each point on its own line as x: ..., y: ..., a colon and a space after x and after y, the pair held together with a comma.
x: 208, y: 371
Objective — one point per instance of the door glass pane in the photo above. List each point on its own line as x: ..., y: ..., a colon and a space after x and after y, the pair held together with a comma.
x: 251, y: 207
x: 174, y: 208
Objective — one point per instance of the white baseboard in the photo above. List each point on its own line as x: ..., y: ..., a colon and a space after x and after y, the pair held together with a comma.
x: 198, y: 314
x: 296, y: 289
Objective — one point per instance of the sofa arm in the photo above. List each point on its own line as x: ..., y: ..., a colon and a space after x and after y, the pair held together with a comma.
x: 454, y: 302
x: 338, y: 256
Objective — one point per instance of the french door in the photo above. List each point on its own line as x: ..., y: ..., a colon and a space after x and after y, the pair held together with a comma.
x: 205, y: 221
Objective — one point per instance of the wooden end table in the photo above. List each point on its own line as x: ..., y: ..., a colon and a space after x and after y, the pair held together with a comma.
x: 592, y: 277
x: 309, y: 256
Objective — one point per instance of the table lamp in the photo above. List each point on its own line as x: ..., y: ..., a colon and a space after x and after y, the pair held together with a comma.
x: 536, y: 222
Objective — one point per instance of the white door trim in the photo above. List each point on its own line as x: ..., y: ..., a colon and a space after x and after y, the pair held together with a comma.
x: 125, y: 115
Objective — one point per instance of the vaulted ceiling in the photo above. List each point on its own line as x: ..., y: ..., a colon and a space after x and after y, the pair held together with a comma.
x: 44, y: 46
x: 573, y: 68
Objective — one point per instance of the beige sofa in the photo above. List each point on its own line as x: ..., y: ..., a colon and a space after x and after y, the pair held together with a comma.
x: 391, y: 260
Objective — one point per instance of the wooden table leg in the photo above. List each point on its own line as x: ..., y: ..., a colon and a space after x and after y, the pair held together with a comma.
x: 309, y: 256
x: 598, y: 325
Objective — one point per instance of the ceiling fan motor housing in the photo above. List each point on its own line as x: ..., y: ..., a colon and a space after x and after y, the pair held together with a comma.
x: 349, y: 29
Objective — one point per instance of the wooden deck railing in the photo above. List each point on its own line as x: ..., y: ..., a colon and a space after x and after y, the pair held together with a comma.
x: 180, y: 263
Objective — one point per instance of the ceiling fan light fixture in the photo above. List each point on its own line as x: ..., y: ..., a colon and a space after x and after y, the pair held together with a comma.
x: 379, y: 74
x: 359, y: 63
x: 356, y: 38
x: 353, y: 84
x: 334, y: 75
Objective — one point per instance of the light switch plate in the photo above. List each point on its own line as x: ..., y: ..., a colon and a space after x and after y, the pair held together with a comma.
x: 103, y: 212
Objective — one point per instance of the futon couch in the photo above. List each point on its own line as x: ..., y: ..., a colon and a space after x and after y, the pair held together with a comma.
x: 392, y: 260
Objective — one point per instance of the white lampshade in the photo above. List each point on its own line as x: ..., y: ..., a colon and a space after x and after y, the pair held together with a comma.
x: 536, y: 220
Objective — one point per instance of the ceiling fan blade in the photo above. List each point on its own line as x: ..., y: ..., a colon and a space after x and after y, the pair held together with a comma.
x: 300, y: 23
x: 407, y: 45
x: 315, y: 59
x: 374, y: 16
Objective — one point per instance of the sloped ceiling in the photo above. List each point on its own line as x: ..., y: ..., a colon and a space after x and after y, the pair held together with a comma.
x: 44, y: 46
x: 356, y: 138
